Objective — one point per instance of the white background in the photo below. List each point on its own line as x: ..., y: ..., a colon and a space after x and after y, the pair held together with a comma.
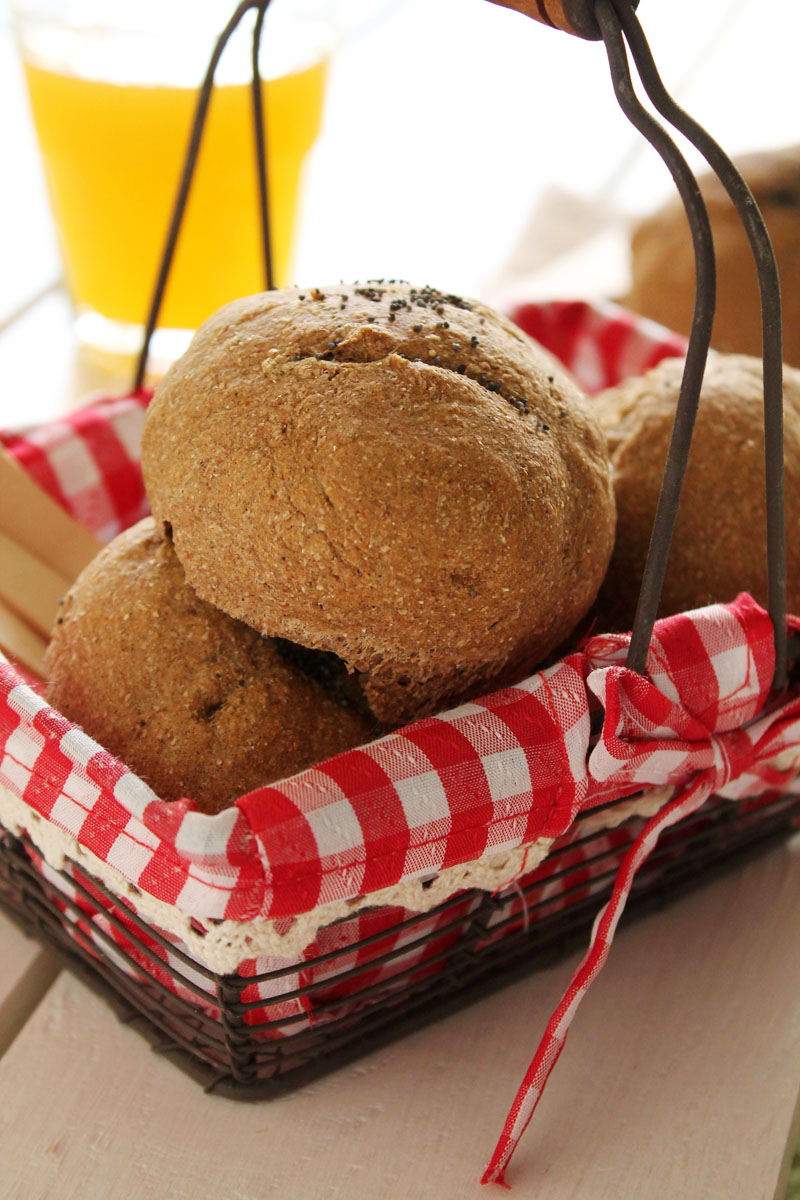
x: 447, y: 121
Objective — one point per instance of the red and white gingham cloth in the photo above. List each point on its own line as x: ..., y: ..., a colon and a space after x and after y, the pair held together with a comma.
x: 699, y: 711
x: 497, y: 773
x: 89, y: 462
x: 494, y: 774
x: 386, y: 950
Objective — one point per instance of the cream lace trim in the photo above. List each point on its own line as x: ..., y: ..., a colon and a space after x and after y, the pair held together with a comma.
x: 222, y: 945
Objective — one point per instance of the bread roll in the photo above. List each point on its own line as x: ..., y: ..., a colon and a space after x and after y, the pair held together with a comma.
x: 662, y: 262
x: 719, y: 544
x: 197, y: 704
x: 392, y: 474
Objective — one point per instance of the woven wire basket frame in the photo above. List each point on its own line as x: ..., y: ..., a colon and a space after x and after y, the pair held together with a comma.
x: 493, y: 943
x: 490, y: 939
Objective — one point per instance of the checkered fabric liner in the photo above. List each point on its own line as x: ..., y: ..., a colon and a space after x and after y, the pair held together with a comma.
x: 89, y: 462
x: 559, y: 882
x: 494, y: 774
x: 491, y: 775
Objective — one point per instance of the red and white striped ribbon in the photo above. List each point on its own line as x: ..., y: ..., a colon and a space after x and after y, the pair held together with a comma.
x: 552, y: 1043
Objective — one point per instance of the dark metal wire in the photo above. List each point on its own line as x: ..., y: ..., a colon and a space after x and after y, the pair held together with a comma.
x: 503, y: 937
x: 580, y: 17
x: 769, y: 286
x: 259, y: 131
x: 189, y: 164
x: 699, y: 339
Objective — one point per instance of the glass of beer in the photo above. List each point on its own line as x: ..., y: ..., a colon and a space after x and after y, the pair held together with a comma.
x: 113, y: 87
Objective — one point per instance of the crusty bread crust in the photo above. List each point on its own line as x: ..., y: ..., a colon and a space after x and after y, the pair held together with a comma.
x: 392, y: 474
x: 662, y: 263
x: 196, y: 703
x: 718, y: 549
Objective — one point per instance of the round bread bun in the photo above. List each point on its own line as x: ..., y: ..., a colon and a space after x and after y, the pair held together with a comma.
x: 662, y: 258
x: 718, y: 549
x: 392, y: 474
x: 197, y: 704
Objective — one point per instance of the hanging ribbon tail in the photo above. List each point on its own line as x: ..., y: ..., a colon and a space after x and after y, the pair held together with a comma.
x: 605, y: 925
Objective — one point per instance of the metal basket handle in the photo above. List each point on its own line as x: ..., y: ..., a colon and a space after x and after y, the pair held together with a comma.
x: 190, y: 162
x: 616, y: 18
x: 615, y: 22
x: 573, y: 16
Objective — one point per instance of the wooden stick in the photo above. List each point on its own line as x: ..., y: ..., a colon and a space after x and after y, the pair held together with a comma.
x: 29, y: 586
x: 30, y: 518
x: 21, y: 642
x: 573, y: 16
x: 561, y: 14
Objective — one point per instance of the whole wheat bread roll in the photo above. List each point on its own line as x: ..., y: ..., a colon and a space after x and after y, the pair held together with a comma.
x: 718, y: 548
x: 662, y: 258
x: 392, y: 474
x: 196, y: 703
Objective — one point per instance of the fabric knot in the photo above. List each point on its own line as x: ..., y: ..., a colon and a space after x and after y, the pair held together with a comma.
x: 697, y: 721
x: 734, y: 754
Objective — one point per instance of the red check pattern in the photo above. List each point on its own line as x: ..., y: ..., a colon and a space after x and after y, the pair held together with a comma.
x: 698, y: 704
x: 601, y: 343
x: 498, y: 773
x: 387, y: 949
x: 89, y: 462
x: 492, y: 775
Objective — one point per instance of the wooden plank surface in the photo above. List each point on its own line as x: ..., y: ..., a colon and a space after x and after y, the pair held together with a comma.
x: 680, y: 1079
x: 26, y: 972
x: 31, y: 587
x: 34, y: 521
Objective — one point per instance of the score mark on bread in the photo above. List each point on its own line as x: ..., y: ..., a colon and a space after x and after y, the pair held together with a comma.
x: 395, y: 475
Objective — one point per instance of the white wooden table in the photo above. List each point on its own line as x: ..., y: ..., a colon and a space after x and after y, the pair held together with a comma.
x: 682, y: 1071
x: 680, y: 1078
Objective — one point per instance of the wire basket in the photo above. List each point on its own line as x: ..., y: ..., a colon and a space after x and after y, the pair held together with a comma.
x: 373, y: 987
x: 272, y: 1018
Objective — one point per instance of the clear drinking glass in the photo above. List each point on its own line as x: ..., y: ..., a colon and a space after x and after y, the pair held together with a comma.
x: 112, y: 86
